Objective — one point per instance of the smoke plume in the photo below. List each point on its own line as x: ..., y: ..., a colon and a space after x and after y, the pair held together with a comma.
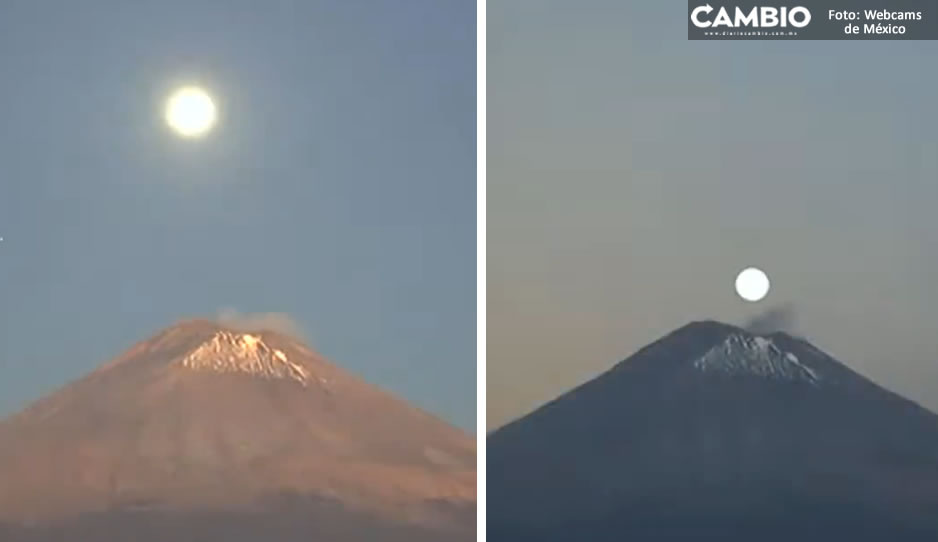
x: 262, y: 321
x: 780, y: 318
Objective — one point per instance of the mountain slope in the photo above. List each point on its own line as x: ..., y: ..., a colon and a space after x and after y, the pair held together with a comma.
x: 713, y: 432
x: 204, y: 422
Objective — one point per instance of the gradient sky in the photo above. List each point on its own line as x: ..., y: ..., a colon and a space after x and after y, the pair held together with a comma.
x: 633, y: 173
x: 338, y: 186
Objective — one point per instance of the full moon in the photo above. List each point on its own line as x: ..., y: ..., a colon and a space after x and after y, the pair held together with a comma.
x: 190, y: 112
x: 752, y: 284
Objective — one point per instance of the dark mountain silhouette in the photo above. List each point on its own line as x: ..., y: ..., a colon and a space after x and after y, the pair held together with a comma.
x: 210, y: 433
x: 714, y: 433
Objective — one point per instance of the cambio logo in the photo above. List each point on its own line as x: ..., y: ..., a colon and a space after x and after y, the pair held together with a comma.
x: 757, y: 17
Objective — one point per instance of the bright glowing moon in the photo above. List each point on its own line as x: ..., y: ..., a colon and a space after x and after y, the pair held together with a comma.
x: 752, y: 284
x: 190, y: 112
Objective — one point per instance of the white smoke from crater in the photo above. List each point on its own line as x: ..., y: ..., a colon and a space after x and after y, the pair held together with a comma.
x: 279, y: 322
x: 779, y: 318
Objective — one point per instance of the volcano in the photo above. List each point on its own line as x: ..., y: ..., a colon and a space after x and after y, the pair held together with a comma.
x: 209, y: 433
x: 715, y: 433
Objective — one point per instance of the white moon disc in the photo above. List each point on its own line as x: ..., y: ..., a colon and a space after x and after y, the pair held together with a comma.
x: 752, y: 284
x: 190, y: 112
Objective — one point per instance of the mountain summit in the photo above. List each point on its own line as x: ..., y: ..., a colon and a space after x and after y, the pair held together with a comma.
x: 205, y: 431
x: 716, y: 433
x: 248, y: 354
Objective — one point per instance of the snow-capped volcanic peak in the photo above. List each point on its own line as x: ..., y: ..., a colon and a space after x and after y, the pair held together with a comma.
x: 754, y: 355
x: 229, y: 352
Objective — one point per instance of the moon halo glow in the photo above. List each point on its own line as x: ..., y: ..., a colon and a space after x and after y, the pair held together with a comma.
x: 191, y: 112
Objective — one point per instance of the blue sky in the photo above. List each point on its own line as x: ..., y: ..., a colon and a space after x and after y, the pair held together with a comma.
x: 337, y: 187
x: 632, y: 173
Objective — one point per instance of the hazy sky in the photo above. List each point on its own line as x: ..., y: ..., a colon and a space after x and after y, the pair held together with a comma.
x: 632, y: 174
x: 338, y: 186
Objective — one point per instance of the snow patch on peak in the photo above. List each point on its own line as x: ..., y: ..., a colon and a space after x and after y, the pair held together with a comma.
x: 228, y: 352
x: 755, y: 355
